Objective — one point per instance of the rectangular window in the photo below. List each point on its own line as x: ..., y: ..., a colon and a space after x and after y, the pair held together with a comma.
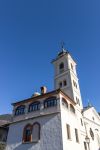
x: 81, y: 122
x: 85, y: 146
x: 68, y: 131
x: 76, y: 135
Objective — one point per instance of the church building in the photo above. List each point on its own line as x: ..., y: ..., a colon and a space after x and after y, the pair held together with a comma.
x: 55, y: 120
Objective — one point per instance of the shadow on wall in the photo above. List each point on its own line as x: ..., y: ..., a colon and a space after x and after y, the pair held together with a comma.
x: 47, y: 124
x: 31, y: 146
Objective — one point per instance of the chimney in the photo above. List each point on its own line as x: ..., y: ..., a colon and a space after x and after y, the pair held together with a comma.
x: 43, y: 90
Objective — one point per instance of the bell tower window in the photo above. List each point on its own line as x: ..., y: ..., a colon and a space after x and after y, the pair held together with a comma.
x: 60, y: 85
x: 72, y: 66
x: 61, y: 68
x: 64, y: 82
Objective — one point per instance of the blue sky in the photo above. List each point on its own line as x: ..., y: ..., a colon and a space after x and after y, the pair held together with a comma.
x: 30, y: 36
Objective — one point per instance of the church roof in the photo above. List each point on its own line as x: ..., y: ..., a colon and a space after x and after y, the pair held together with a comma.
x: 46, y: 95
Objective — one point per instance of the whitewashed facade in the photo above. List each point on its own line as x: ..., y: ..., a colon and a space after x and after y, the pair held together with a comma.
x: 55, y: 120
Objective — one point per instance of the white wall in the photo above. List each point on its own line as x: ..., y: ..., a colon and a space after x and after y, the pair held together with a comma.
x: 51, y: 137
x: 67, y: 117
x: 92, y: 120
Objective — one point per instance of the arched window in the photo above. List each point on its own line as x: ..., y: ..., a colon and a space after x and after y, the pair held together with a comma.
x: 50, y: 102
x: 75, y: 84
x: 34, y: 106
x: 20, y: 110
x: 27, y: 134
x: 36, y: 132
x: 72, y: 109
x: 60, y: 84
x: 78, y: 101
x: 72, y: 66
x: 64, y: 82
x: 64, y: 102
x: 61, y: 67
x: 91, y: 134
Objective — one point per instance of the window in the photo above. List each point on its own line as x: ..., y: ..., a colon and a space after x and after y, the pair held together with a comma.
x: 75, y: 84
x: 68, y: 131
x: 78, y: 101
x: 50, y: 102
x: 72, y: 109
x: 27, y: 134
x: 76, y: 135
x: 31, y: 133
x: 91, y: 134
x: 20, y: 110
x: 34, y: 106
x: 64, y: 82
x: 85, y: 146
x: 61, y: 67
x: 72, y: 66
x: 36, y: 132
x: 60, y: 85
x: 93, y: 119
x: 81, y: 121
x: 64, y: 102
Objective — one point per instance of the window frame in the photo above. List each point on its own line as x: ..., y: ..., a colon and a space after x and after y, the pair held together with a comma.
x: 60, y: 84
x: 64, y: 102
x: 50, y: 102
x: 65, y: 83
x: 76, y: 135
x: 35, y: 106
x: 68, y: 131
x: 61, y: 67
x: 85, y: 146
x: 72, y: 109
x: 20, y: 110
x: 39, y: 131
x: 25, y: 137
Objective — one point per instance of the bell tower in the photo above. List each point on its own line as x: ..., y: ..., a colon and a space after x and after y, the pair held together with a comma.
x: 65, y: 76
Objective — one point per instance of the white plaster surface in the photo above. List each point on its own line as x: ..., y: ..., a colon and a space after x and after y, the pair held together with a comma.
x: 51, y: 136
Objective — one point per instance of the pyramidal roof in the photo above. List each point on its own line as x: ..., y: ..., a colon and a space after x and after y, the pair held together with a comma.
x: 63, y: 52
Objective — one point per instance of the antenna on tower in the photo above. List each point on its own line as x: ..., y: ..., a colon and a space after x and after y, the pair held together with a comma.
x: 89, y: 103
x: 62, y: 43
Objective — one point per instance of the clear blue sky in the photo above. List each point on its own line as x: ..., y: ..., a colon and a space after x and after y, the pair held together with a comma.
x: 30, y: 36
